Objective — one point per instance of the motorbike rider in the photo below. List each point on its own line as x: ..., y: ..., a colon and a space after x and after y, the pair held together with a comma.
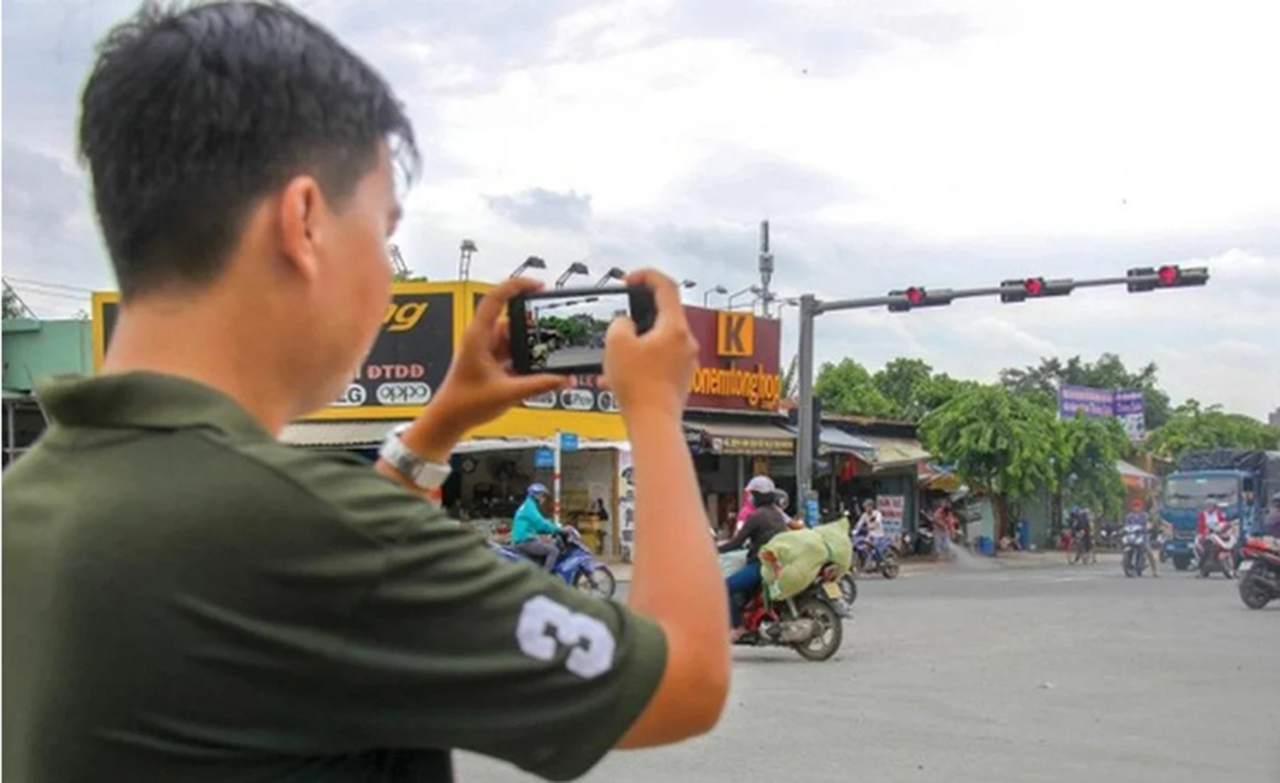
x: 530, y: 524
x: 1220, y: 543
x: 1271, y: 525
x: 871, y: 523
x: 1208, y: 521
x: 756, y: 484
x: 783, y: 503
x: 765, y: 522
x: 1138, y: 518
x: 1081, y: 527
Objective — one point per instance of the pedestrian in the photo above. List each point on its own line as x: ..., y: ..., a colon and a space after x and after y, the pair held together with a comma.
x: 187, y: 599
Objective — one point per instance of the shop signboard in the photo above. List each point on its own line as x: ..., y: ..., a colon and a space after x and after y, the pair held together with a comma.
x: 752, y: 447
x: 739, y: 361
x: 1125, y: 405
x: 893, y: 510
x: 405, y: 366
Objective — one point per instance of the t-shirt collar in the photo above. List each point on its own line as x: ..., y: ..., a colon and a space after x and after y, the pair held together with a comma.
x: 144, y: 400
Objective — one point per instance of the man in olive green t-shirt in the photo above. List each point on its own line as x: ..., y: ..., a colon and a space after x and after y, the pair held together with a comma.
x: 186, y: 599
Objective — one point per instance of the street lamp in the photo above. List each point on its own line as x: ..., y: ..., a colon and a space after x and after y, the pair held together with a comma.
x: 576, y: 268
x: 688, y: 284
x: 532, y: 262
x: 753, y: 290
x: 465, y: 250
x: 613, y: 274
x: 706, y: 295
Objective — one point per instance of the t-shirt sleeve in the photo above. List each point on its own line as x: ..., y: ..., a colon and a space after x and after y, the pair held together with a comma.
x: 453, y: 647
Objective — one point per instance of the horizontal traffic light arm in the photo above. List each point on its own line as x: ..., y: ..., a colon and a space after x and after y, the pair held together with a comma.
x: 1191, y: 276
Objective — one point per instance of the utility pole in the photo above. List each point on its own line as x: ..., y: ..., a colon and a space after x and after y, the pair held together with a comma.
x: 766, y: 267
x: 1010, y: 291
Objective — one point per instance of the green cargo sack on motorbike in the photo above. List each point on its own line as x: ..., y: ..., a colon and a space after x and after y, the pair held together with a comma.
x: 791, y: 561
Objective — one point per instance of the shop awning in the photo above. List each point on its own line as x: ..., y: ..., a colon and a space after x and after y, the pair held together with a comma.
x: 747, y: 439
x: 837, y: 441
x: 336, y: 433
x: 1134, y: 476
x: 895, y: 452
x: 482, y: 445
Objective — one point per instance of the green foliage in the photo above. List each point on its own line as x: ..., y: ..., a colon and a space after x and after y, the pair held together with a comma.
x: 847, y: 388
x: 1195, y: 429
x: 904, y: 388
x: 12, y: 305
x: 1086, y: 464
x: 1108, y: 372
x: 995, y: 440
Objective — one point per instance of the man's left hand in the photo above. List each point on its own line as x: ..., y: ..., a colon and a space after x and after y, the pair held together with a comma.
x: 480, y: 384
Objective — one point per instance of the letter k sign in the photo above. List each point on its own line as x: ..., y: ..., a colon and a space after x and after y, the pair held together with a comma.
x: 736, y: 334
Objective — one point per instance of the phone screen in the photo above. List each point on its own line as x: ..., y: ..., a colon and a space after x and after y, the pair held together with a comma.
x: 567, y: 332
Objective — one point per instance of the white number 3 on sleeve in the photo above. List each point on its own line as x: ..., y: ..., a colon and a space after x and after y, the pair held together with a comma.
x: 545, y: 625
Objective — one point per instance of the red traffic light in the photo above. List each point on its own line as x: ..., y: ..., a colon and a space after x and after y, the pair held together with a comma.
x: 1169, y: 275
x: 915, y: 295
x: 1034, y: 286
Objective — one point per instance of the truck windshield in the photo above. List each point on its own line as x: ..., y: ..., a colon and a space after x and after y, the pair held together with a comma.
x: 1196, y: 492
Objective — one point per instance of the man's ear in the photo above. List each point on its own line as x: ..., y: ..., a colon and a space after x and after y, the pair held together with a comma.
x: 302, y: 217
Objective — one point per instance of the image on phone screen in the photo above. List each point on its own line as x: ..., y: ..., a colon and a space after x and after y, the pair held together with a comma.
x: 568, y: 332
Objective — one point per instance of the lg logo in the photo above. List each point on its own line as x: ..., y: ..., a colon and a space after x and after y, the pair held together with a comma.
x: 545, y: 626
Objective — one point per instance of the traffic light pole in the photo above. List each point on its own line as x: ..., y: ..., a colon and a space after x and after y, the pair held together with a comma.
x: 811, y: 308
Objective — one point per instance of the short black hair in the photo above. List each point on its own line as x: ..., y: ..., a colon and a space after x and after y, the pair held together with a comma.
x: 193, y: 112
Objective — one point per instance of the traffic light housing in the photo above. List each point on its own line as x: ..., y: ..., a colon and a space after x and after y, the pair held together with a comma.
x: 1168, y: 276
x: 1033, y: 288
x: 917, y: 296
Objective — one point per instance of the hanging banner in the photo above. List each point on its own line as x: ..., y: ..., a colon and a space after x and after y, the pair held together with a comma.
x: 893, y: 509
x: 626, y: 505
x: 1126, y: 405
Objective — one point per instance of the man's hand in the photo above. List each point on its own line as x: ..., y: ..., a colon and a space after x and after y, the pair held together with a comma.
x: 653, y: 371
x: 480, y: 385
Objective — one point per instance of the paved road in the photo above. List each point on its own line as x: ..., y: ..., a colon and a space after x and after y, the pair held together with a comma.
x: 573, y: 356
x: 989, y: 673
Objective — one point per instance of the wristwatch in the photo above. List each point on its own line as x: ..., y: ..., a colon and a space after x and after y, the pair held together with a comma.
x: 427, y: 475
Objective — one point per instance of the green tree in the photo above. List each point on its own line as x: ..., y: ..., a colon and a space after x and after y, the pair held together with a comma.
x: 12, y: 304
x: 1086, y: 469
x: 1108, y: 372
x: 1193, y: 428
x: 848, y: 388
x: 903, y: 383
x: 997, y: 441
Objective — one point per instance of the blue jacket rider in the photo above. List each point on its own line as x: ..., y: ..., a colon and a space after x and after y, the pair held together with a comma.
x: 529, y: 524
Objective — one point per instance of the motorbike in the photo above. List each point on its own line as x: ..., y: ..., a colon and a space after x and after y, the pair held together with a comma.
x: 576, y: 564
x: 810, y: 623
x: 1134, y: 558
x: 880, y: 557
x: 1217, y: 554
x: 1260, y: 584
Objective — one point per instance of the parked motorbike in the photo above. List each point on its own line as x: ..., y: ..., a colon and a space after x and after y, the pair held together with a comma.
x: 1134, y: 558
x: 1260, y: 584
x: 810, y: 623
x: 576, y: 564
x: 880, y: 557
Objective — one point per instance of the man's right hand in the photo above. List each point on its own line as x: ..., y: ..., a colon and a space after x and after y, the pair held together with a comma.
x: 652, y: 371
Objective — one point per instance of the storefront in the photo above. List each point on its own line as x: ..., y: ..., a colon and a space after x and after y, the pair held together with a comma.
x: 888, y: 475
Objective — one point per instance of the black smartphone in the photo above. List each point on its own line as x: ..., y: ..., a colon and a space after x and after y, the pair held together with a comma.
x: 562, y: 331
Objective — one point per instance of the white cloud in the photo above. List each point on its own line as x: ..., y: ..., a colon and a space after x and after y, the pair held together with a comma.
x: 939, y: 142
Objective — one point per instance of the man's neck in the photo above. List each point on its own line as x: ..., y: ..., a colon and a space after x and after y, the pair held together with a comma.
x: 198, y: 343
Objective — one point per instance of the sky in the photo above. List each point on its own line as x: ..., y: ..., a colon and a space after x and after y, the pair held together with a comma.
x: 942, y: 143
